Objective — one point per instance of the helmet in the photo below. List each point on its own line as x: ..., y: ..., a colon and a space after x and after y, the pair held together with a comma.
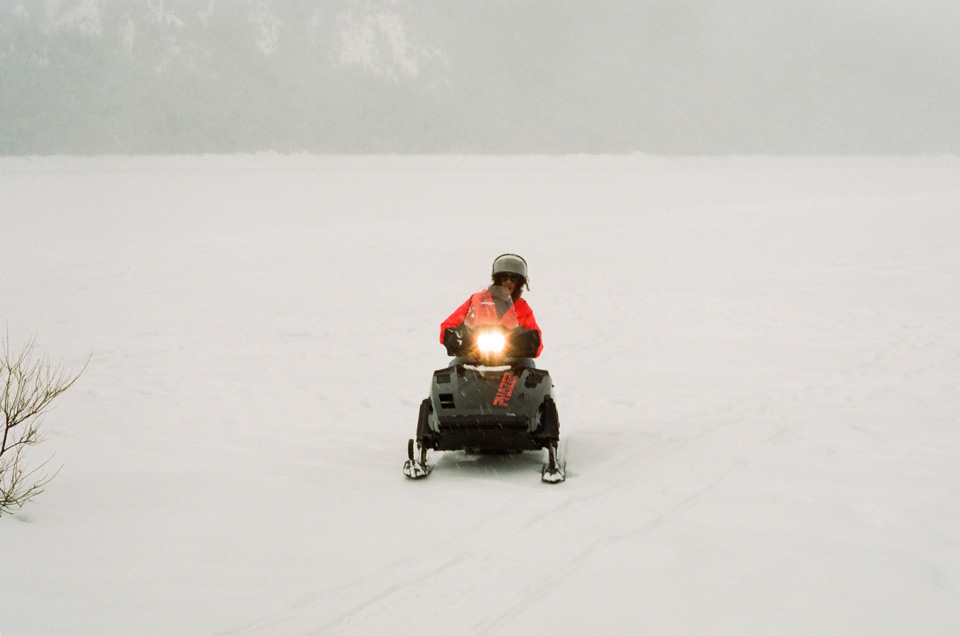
x: 511, y: 264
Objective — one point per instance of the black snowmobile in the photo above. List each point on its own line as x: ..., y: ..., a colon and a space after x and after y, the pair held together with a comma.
x: 490, y: 399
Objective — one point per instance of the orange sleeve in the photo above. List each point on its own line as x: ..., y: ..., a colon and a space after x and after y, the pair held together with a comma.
x: 527, y: 320
x: 454, y: 319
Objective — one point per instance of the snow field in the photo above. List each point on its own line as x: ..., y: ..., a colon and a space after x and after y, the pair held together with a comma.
x: 755, y: 360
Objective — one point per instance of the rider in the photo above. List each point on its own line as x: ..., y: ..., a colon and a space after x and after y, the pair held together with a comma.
x: 510, y: 273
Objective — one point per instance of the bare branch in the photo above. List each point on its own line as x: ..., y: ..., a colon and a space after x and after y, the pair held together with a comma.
x: 28, y: 388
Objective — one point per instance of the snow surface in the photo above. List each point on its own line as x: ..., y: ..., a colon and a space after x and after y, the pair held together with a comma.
x: 756, y: 364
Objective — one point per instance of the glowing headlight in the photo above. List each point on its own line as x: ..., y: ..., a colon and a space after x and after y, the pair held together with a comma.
x: 491, y: 342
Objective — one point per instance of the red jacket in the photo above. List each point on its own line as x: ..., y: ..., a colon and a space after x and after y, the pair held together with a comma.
x: 522, y: 311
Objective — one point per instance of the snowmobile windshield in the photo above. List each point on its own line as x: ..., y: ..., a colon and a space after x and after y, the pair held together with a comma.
x: 492, y: 306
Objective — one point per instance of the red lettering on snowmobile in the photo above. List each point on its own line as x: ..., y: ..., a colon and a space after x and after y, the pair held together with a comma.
x: 505, y: 391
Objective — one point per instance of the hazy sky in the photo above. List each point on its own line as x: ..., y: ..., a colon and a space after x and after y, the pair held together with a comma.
x: 749, y: 74
x: 660, y: 76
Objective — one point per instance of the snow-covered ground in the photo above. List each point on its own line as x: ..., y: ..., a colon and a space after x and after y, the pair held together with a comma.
x: 757, y: 365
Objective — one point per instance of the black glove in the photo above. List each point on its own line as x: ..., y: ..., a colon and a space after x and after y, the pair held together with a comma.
x: 524, y: 342
x: 453, y: 340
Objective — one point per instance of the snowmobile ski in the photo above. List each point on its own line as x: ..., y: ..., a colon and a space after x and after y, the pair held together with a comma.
x: 416, y: 466
x: 554, y: 468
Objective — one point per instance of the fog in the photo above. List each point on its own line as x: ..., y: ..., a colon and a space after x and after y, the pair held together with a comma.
x: 536, y: 76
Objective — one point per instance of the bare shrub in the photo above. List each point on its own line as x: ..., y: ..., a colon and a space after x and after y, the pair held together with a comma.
x: 28, y: 386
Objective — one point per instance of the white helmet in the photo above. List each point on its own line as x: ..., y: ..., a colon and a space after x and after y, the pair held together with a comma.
x: 511, y: 264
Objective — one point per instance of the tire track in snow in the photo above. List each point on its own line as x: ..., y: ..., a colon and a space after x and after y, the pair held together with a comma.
x: 432, y: 592
x: 505, y: 559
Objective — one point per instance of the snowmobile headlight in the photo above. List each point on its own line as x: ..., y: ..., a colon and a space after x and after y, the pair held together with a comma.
x: 490, y: 342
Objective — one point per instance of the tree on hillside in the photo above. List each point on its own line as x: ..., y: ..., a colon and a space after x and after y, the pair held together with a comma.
x: 28, y: 387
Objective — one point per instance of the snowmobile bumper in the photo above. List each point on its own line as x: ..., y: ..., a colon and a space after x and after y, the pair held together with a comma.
x: 490, y: 432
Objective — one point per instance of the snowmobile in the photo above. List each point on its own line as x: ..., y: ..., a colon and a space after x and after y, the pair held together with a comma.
x: 490, y: 399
